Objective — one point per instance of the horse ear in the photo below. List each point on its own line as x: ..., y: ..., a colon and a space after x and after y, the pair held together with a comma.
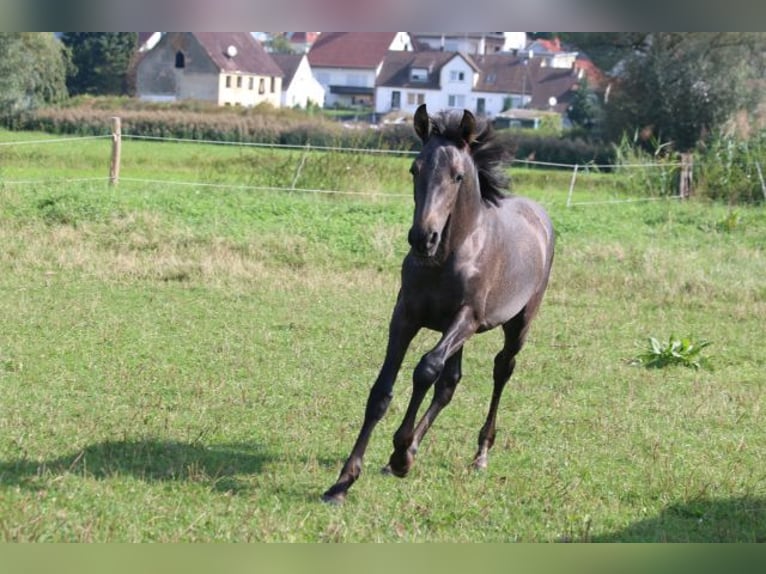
x: 422, y: 122
x: 468, y: 127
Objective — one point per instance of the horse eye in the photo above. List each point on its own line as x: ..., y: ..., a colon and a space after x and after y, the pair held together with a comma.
x: 458, y: 177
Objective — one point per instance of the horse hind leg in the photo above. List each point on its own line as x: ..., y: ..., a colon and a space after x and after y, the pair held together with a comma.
x: 407, y: 440
x: 515, y: 332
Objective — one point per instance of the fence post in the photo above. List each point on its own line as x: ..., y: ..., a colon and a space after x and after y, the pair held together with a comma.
x: 760, y: 176
x: 571, y: 185
x: 114, y: 168
x: 685, y: 183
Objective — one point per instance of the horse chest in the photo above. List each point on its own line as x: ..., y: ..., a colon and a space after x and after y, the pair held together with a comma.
x: 434, y: 295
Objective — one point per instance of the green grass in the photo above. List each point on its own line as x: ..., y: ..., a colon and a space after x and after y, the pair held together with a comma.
x: 190, y: 363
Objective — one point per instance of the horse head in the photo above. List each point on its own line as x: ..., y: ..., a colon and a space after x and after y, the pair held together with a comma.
x: 439, y: 172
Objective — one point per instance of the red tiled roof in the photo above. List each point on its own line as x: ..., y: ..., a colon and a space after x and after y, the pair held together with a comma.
x: 248, y: 54
x: 350, y: 49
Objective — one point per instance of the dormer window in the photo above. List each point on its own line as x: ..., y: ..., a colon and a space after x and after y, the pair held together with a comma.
x: 418, y: 75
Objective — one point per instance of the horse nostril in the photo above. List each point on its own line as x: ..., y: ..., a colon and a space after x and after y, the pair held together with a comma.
x: 433, y: 239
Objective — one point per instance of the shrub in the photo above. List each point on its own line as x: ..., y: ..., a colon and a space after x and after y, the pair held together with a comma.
x: 684, y: 352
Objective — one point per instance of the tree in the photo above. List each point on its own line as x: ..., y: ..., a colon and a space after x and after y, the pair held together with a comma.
x: 101, y: 61
x: 279, y: 44
x: 585, y: 108
x: 33, y: 69
x: 681, y: 86
x: 605, y: 49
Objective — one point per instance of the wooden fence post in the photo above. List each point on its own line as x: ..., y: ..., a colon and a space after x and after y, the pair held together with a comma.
x: 114, y: 168
x: 685, y: 184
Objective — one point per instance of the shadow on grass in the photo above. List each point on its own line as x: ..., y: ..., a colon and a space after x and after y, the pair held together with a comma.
x: 740, y: 519
x: 149, y: 460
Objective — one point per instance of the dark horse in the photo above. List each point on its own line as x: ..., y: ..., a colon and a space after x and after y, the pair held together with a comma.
x: 478, y: 259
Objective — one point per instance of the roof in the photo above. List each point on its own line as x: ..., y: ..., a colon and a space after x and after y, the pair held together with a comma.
x: 350, y: 49
x: 511, y: 74
x: 288, y: 63
x: 248, y: 54
x: 397, y: 65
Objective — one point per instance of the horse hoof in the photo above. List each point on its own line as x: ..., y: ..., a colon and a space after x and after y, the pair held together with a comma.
x: 334, y: 496
x: 480, y: 464
x: 333, y: 499
x: 388, y: 470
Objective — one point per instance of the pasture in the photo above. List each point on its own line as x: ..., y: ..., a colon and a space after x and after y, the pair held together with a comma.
x: 191, y: 362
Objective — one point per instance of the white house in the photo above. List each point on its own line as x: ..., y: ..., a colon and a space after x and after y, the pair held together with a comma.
x: 228, y: 68
x: 487, y: 84
x: 299, y: 87
x: 466, y: 42
x: 438, y: 79
x: 347, y: 64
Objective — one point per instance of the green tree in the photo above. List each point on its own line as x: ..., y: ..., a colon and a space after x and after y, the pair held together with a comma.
x: 605, y: 49
x: 681, y: 86
x: 33, y: 69
x: 279, y: 44
x: 101, y: 62
x: 585, y: 109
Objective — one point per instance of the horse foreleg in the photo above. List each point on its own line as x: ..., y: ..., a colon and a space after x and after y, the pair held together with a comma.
x: 401, y: 333
x: 505, y: 362
x: 431, y: 368
x: 443, y: 391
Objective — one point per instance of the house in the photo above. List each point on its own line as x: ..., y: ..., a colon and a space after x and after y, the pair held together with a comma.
x: 221, y: 67
x: 438, y: 79
x: 299, y: 87
x: 485, y: 84
x: 512, y: 81
x: 467, y: 42
x: 347, y: 64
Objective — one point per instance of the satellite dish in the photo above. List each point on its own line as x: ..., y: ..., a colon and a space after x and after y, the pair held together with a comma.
x: 231, y: 51
x: 552, y: 101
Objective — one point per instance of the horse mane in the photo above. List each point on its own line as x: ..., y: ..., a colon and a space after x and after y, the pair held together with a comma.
x: 489, y: 155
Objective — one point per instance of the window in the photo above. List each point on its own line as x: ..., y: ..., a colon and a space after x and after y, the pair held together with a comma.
x: 239, y: 81
x: 180, y: 60
x: 396, y: 100
x: 356, y: 80
x: 261, y: 86
x: 481, y: 106
x: 415, y: 98
x: 456, y: 76
x: 228, y: 81
x: 418, y: 75
x: 251, y: 83
x: 456, y: 101
x: 273, y: 84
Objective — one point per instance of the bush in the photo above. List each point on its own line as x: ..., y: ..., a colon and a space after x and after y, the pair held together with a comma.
x: 203, y: 121
x: 726, y: 169
x: 557, y: 149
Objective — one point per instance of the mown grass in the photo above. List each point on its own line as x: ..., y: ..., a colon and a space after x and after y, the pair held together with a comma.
x: 190, y: 363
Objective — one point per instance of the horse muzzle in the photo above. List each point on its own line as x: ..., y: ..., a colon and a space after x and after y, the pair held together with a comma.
x: 424, y: 242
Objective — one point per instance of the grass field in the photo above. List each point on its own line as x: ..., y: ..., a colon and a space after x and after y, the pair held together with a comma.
x: 191, y: 362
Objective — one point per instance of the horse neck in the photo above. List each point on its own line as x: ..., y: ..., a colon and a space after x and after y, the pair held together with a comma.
x: 468, y: 213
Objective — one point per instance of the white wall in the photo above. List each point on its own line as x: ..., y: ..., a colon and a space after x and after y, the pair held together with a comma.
x: 303, y: 88
x: 342, y: 77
